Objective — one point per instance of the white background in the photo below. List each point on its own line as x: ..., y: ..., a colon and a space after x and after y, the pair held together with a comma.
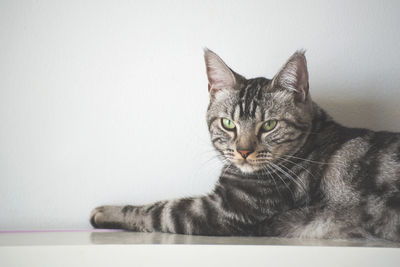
x: 103, y: 102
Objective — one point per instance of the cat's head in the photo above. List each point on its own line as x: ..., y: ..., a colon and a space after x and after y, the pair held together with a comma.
x: 254, y: 122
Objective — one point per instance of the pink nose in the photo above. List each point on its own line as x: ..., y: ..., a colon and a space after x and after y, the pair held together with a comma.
x: 244, y: 153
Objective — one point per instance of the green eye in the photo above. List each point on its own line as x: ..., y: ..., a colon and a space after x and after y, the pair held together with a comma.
x: 228, y: 124
x: 269, y: 125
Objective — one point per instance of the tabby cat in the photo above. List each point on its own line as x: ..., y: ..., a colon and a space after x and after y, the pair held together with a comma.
x: 289, y: 169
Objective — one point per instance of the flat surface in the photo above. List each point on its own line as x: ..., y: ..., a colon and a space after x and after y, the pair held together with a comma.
x: 119, y: 248
x: 89, y: 237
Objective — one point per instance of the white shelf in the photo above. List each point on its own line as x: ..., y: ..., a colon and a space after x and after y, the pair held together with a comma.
x: 157, y: 249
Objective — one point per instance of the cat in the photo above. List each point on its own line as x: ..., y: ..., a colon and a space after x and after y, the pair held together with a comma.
x: 289, y: 169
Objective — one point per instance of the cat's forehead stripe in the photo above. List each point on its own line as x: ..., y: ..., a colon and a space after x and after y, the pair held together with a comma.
x: 249, y: 97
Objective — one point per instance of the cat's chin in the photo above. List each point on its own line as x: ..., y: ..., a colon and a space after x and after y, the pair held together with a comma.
x: 247, y: 167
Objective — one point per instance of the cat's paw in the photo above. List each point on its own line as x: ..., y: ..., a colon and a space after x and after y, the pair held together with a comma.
x: 106, y: 217
x: 97, y: 217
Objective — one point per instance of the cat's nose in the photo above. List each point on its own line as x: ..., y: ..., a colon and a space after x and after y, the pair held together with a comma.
x: 245, y: 153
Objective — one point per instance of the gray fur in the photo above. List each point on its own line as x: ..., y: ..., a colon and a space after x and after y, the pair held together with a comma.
x: 308, y: 177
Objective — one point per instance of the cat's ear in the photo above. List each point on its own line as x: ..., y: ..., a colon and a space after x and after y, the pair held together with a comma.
x: 220, y: 76
x: 293, y: 76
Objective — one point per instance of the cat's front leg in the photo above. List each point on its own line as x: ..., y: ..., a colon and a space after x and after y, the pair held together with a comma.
x: 200, y: 216
x: 173, y: 216
x: 164, y: 216
x: 149, y: 218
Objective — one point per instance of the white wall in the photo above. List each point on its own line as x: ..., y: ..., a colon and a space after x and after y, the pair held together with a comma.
x: 104, y: 101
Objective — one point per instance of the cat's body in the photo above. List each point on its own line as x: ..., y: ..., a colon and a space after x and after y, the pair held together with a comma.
x: 290, y: 170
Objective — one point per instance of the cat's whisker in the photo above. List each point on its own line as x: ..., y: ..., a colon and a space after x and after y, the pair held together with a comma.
x: 293, y: 173
x: 225, y: 154
x: 313, y: 161
x: 298, y: 181
x: 209, y: 151
x: 266, y: 168
x: 211, y: 159
x: 290, y: 177
x: 296, y: 164
x: 226, y: 168
x: 206, y: 165
x: 283, y: 180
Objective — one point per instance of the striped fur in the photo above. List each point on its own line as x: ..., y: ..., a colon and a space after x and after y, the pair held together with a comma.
x: 309, y: 177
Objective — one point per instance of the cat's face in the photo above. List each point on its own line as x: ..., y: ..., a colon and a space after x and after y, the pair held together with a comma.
x: 256, y: 122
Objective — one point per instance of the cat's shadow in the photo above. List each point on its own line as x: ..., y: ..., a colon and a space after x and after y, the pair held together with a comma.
x: 364, y: 113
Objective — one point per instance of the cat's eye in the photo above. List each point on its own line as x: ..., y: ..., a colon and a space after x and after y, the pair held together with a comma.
x: 228, y: 124
x: 269, y: 125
